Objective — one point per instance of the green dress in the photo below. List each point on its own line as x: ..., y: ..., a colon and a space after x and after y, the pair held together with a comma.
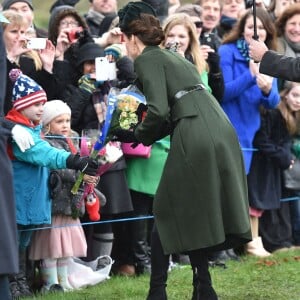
x: 201, y: 201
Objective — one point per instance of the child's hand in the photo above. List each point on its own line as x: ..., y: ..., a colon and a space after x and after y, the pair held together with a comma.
x: 91, y: 179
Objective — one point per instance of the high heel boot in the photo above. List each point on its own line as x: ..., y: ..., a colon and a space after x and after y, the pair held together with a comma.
x: 202, y: 285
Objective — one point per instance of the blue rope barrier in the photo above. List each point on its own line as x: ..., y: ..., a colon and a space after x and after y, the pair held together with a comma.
x: 88, y: 223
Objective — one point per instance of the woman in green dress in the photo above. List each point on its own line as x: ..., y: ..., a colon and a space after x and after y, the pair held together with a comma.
x: 201, y: 202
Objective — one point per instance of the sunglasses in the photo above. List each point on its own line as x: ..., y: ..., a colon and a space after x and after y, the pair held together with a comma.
x: 198, y: 24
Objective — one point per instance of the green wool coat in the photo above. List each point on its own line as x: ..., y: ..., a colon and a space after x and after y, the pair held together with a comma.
x: 201, y: 201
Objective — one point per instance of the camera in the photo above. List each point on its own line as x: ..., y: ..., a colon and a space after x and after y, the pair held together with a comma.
x: 36, y: 43
x: 172, y: 46
x: 74, y: 34
x: 105, y: 70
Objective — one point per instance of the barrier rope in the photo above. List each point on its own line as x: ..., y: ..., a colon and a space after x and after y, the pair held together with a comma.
x: 126, y: 219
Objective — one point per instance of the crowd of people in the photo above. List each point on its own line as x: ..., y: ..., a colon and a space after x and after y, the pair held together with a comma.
x: 221, y: 180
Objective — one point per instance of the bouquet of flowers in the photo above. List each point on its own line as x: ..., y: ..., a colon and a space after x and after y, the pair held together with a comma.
x: 122, y: 111
x: 130, y: 104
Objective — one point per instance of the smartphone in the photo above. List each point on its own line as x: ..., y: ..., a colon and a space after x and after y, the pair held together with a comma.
x: 209, y: 40
x: 105, y: 70
x: 36, y: 43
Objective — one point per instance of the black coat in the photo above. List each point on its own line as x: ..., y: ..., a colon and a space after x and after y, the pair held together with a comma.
x: 8, y: 232
x: 273, y: 156
x: 281, y: 66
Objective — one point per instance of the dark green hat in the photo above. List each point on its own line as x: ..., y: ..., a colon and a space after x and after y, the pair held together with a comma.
x: 132, y: 11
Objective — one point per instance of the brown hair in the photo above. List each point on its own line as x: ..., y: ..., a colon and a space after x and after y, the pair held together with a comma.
x: 147, y: 28
x: 54, y: 22
x: 238, y: 30
x: 292, y: 118
x: 288, y: 13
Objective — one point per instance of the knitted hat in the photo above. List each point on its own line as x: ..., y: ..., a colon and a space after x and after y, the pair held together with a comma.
x: 89, y: 51
x: 26, y: 91
x: 132, y: 11
x: 53, y: 109
x: 7, y: 3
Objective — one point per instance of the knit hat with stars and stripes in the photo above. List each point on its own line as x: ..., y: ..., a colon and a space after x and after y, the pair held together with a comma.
x: 26, y: 91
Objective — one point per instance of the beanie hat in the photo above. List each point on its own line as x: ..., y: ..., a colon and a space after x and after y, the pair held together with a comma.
x: 89, y: 51
x: 53, y: 109
x: 7, y: 3
x: 26, y: 91
x: 132, y: 11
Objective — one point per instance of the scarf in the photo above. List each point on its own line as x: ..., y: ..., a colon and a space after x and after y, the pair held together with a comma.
x: 291, y: 49
x: 242, y: 46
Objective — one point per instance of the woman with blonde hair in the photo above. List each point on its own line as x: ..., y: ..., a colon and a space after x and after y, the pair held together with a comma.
x: 36, y: 64
x: 179, y: 28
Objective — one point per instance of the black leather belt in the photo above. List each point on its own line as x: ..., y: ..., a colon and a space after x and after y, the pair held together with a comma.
x: 182, y: 93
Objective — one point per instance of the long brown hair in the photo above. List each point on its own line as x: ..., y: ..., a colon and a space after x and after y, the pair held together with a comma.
x: 238, y: 30
x: 292, y: 118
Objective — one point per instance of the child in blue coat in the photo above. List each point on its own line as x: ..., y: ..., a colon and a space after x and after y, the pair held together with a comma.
x: 31, y: 168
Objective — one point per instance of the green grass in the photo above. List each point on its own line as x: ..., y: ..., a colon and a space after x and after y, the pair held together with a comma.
x: 275, y: 278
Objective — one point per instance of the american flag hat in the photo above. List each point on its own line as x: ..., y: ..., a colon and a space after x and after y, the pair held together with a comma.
x: 26, y: 91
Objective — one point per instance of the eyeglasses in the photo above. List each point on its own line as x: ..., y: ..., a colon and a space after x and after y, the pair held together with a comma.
x: 198, y: 24
x: 67, y: 24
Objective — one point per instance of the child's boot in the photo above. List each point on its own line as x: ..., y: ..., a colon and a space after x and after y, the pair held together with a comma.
x: 49, y: 274
x: 62, y: 273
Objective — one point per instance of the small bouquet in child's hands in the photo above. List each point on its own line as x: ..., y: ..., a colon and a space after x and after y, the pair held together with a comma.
x: 108, y: 156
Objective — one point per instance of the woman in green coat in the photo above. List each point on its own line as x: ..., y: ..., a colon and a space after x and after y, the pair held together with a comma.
x: 201, y: 202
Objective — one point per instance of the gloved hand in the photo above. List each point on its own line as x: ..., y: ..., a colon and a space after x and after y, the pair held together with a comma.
x: 22, y: 137
x: 87, y: 83
x: 125, y: 136
x: 84, y: 164
x: 213, y: 61
x: 115, y: 51
x: 141, y: 112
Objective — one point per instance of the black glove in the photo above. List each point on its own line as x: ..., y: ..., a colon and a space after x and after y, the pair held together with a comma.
x: 213, y: 61
x: 141, y: 112
x: 125, y: 136
x: 84, y: 164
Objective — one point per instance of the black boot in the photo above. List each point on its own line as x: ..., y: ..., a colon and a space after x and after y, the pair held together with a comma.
x: 159, y: 270
x: 140, y: 247
x: 202, y: 286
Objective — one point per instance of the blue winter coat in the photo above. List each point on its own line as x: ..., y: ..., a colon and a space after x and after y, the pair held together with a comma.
x: 242, y: 98
x: 31, y: 173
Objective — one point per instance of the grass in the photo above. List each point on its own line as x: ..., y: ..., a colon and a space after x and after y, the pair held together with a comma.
x: 275, y: 278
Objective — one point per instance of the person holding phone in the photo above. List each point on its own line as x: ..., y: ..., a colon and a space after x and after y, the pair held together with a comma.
x: 38, y: 64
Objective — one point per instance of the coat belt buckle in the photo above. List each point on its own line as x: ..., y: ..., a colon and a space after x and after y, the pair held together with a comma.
x: 182, y: 93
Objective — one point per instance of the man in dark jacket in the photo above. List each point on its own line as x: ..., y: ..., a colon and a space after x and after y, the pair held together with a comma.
x: 102, y: 16
x: 274, y: 64
x: 8, y: 225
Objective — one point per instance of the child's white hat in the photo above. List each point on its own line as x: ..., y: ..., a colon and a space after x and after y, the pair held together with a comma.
x: 53, y: 109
